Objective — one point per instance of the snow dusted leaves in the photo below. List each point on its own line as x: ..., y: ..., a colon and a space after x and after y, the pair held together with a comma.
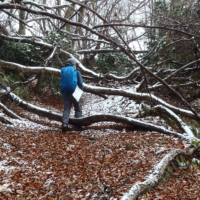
x: 89, y: 164
x: 49, y: 164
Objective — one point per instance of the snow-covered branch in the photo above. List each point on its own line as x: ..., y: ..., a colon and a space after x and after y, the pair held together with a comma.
x: 9, y: 112
x: 177, y: 119
x: 86, y: 121
x: 83, y: 68
x: 98, y: 90
x: 157, y: 175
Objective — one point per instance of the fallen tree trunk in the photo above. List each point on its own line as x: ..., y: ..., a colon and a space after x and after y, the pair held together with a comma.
x: 92, y: 119
x: 183, y: 126
x: 101, y: 90
x: 158, y: 174
x: 9, y: 112
x: 139, y: 97
x: 4, y: 120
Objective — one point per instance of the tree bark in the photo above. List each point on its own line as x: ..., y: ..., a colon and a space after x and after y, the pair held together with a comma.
x: 99, y: 90
x: 157, y: 175
x: 22, y: 27
x: 86, y: 121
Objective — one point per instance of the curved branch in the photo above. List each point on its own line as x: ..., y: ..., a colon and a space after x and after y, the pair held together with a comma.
x: 9, y: 112
x: 177, y: 119
x: 18, y: 19
x: 30, y: 70
x: 44, y: 6
x: 174, y: 86
x: 52, y: 55
x: 157, y: 175
x: 100, y: 90
x: 166, y: 27
x: 138, y: 96
x: 84, y: 69
x: 106, y: 51
x: 182, y: 68
x: 86, y: 121
x: 4, y: 120
x: 86, y: 7
x: 114, y: 43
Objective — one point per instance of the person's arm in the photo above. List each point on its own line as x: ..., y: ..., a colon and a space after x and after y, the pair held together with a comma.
x: 80, y: 80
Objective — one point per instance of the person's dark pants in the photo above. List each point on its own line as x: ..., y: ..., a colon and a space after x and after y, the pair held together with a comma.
x: 67, y: 108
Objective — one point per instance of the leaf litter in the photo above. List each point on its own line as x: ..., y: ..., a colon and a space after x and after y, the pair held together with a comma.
x: 38, y: 161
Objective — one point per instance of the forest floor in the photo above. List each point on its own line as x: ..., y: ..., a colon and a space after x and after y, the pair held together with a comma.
x: 101, y: 161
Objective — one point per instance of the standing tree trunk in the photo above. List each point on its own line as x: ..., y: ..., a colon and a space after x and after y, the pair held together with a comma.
x: 22, y: 28
x: 44, y: 21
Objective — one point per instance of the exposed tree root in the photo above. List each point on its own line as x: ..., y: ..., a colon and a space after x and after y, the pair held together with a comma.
x: 159, y: 173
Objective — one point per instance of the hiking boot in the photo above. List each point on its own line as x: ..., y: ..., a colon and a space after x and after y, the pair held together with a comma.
x: 64, y: 128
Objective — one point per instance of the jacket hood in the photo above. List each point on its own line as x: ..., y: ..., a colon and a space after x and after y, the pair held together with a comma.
x: 70, y: 62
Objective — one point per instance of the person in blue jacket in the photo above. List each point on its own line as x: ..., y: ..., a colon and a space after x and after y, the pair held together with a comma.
x: 69, y: 99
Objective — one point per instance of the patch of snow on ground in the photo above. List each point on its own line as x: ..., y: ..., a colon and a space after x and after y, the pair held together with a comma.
x: 31, y: 126
x: 113, y: 105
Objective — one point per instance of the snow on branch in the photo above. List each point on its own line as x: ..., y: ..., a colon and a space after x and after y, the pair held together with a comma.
x: 175, y: 72
x: 137, y: 96
x: 9, y: 112
x: 177, y: 119
x: 86, y: 121
x: 31, y: 70
x: 15, y: 17
x: 44, y: 6
x: 98, y: 90
x: 34, y: 109
x: 83, y: 68
x: 105, y: 51
x: 157, y: 175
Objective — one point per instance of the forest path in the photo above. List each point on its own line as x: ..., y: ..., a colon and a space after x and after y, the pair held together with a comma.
x: 103, y: 160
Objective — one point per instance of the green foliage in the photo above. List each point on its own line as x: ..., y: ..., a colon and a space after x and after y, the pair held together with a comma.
x: 63, y: 40
x: 53, y: 83
x: 114, y: 62
x: 144, y: 111
x: 196, y: 132
x: 182, y: 52
x: 195, y: 161
x: 194, y: 125
x: 19, y: 91
x: 176, y: 10
x: 161, y: 6
x: 182, y: 162
x: 195, y: 144
x: 13, y: 77
x: 25, y: 54
x: 169, y: 121
x: 10, y: 78
x: 158, y: 43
